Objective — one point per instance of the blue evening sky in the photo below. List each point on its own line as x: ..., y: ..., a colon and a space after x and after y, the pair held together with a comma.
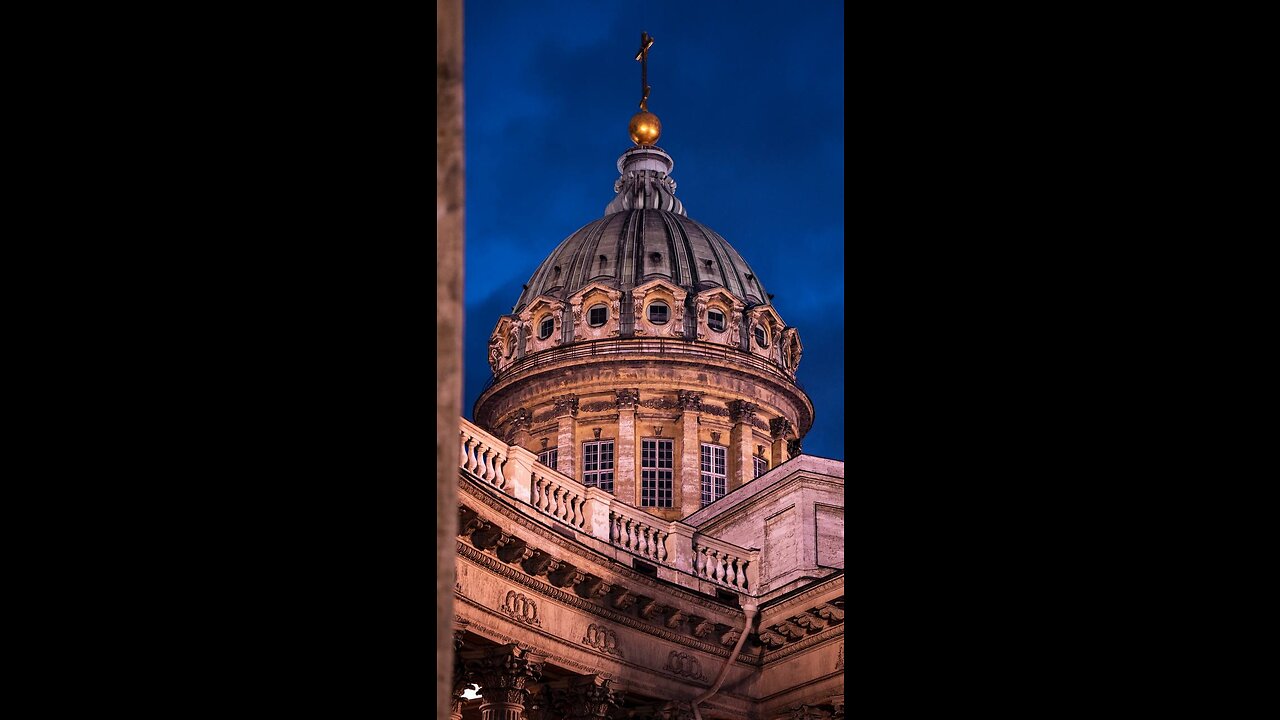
x: 751, y: 98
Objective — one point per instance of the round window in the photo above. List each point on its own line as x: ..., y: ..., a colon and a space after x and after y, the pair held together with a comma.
x: 762, y: 337
x: 715, y: 320
x: 658, y: 313
x: 545, y: 328
x: 597, y: 315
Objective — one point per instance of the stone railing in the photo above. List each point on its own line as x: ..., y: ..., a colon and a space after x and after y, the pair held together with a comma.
x: 638, y: 532
x: 559, y: 497
x: 682, y: 555
x: 726, y: 564
x: 484, y: 455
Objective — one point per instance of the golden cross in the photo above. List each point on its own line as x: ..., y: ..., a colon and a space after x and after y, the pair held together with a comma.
x: 646, y: 42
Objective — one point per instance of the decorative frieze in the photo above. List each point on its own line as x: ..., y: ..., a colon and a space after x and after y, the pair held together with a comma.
x: 829, y: 612
x: 661, y: 403
x: 521, y: 419
x: 523, y: 609
x: 603, y: 639
x: 565, y: 576
x: 593, y: 587
x: 674, y: 619
x: 715, y: 410
x: 540, y: 563
x: 684, y: 665
x: 809, y: 622
x: 597, y: 406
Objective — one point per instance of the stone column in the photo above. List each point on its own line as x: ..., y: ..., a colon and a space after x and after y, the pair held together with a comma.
x: 460, y: 679
x: 450, y: 196
x: 588, y: 697
x: 566, y: 412
x: 690, y: 488
x: 626, y: 457
x: 503, y: 672
x: 780, y: 430
x: 741, y: 412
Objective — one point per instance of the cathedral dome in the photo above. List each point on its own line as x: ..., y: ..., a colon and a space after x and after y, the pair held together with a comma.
x: 644, y: 235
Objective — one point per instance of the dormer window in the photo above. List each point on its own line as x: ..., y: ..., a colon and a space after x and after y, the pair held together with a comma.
x: 715, y: 320
x: 658, y: 313
x: 597, y: 315
x: 762, y: 336
x: 544, y: 329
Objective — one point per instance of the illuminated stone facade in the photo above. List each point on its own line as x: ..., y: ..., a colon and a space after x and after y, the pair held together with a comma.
x: 673, y: 555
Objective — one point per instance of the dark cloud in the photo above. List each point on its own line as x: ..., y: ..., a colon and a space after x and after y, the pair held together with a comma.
x: 751, y: 100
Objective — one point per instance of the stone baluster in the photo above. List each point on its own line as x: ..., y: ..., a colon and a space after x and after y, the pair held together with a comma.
x: 728, y: 569
x: 662, y: 546
x: 719, y: 565
x: 466, y: 449
x: 551, y: 498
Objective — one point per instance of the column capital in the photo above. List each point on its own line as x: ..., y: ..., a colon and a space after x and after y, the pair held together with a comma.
x: 504, y: 671
x: 587, y: 697
x: 742, y: 411
x: 565, y: 405
x: 780, y: 427
x: 690, y: 400
x: 626, y: 398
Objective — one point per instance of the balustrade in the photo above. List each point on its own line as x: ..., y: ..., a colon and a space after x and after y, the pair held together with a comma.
x: 559, y: 499
x: 637, y: 535
x: 725, y: 564
x: 484, y: 456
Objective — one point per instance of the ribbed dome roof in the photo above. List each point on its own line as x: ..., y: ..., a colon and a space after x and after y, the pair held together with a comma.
x: 644, y: 235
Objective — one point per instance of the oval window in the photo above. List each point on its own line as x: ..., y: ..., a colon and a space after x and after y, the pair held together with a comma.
x: 762, y: 337
x: 658, y: 313
x: 544, y: 329
x: 597, y: 315
x: 715, y: 320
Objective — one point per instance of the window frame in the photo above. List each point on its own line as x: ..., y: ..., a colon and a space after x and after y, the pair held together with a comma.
x: 648, y: 312
x: 657, y: 484
x: 542, y: 323
x: 708, y: 475
x: 593, y: 308
x: 553, y: 454
x: 758, y: 332
x: 757, y: 463
x: 590, y: 477
x: 724, y: 320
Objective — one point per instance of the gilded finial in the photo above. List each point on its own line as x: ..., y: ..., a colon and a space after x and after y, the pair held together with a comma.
x: 645, y: 127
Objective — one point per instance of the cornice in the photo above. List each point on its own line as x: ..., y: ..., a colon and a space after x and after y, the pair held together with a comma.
x: 828, y: 634
x: 506, y: 571
x: 802, y: 478
x: 823, y: 586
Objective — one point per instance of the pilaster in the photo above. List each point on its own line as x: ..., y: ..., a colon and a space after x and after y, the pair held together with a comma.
x: 690, y: 493
x: 566, y: 412
x: 780, y: 430
x: 741, y: 412
x: 626, y: 459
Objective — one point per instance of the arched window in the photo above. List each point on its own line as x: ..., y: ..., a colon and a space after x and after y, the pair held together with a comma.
x: 545, y: 327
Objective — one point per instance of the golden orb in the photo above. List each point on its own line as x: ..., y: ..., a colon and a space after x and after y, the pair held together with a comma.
x: 645, y: 128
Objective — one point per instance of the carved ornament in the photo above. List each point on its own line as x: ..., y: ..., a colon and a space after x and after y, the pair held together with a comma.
x: 603, y: 639
x: 521, y: 608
